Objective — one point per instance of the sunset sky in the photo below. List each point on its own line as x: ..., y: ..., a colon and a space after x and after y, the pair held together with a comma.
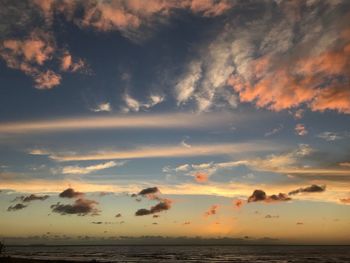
x: 193, y: 118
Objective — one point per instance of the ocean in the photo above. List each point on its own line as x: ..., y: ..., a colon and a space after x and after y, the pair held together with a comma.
x: 276, y: 254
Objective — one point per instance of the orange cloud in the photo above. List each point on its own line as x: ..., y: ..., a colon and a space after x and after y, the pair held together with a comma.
x: 29, y: 55
x: 212, y: 210
x: 47, y: 80
x: 238, y: 203
x: 67, y: 63
x: 201, y: 177
x: 345, y: 200
x: 130, y: 14
x: 320, y: 81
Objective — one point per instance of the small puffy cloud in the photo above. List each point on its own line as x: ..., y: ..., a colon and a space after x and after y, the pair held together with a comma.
x: 80, y: 207
x: 47, y: 80
x: 298, y: 114
x: 70, y: 193
x: 33, y: 197
x: 150, y: 190
x: 153, y: 100
x: 238, y: 203
x: 212, y: 210
x: 182, y: 168
x: 310, y: 189
x: 67, y: 63
x: 201, y: 177
x: 300, y: 129
x: 260, y: 196
x: 103, y: 107
x: 345, y: 200
x: 90, y: 169
x: 163, y: 205
x: 132, y: 104
x: 16, y: 207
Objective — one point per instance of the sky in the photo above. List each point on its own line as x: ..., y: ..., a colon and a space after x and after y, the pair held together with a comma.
x: 128, y: 120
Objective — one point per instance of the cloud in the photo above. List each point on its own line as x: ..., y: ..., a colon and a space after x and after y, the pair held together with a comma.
x: 67, y: 63
x: 39, y: 152
x: 148, y: 191
x: 238, y: 203
x: 132, y: 104
x: 80, y: 207
x: 33, y: 197
x: 29, y: 55
x: 70, y: 193
x: 212, y: 210
x: 298, y: 114
x: 103, y: 107
x: 201, y: 177
x: 182, y: 168
x: 260, y: 195
x: 163, y: 151
x: 345, y: 200
x: 290, y: 163
x: 270, y: 64
x: 16, y: 207
x: 310, y: 189
x: 333, y: 136
x: 36, y: 49
x: 130, y: 17
x: 232, y: 190
x: 47, y: 80
x: 205, y: 82
x: 90, y: 169
x: 149, y: 121
x: 163, y: 205
x: 300, y: 129
x: 274, y: 131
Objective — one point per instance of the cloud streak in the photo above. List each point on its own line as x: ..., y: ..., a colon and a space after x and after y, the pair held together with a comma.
x: 144, y: 121
x: 90, y: 169
x: 161, y: 151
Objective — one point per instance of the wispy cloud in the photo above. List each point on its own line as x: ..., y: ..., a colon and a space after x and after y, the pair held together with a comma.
x: 288, y: 163
x: 134, y: 105
x: 102, y: 107
x: 90, y: 169
x: 333, y: 136
x: 144, y: 121
x: 165, y: 151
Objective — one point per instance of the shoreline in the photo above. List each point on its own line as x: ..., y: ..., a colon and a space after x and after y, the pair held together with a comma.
x: 9, y: 259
